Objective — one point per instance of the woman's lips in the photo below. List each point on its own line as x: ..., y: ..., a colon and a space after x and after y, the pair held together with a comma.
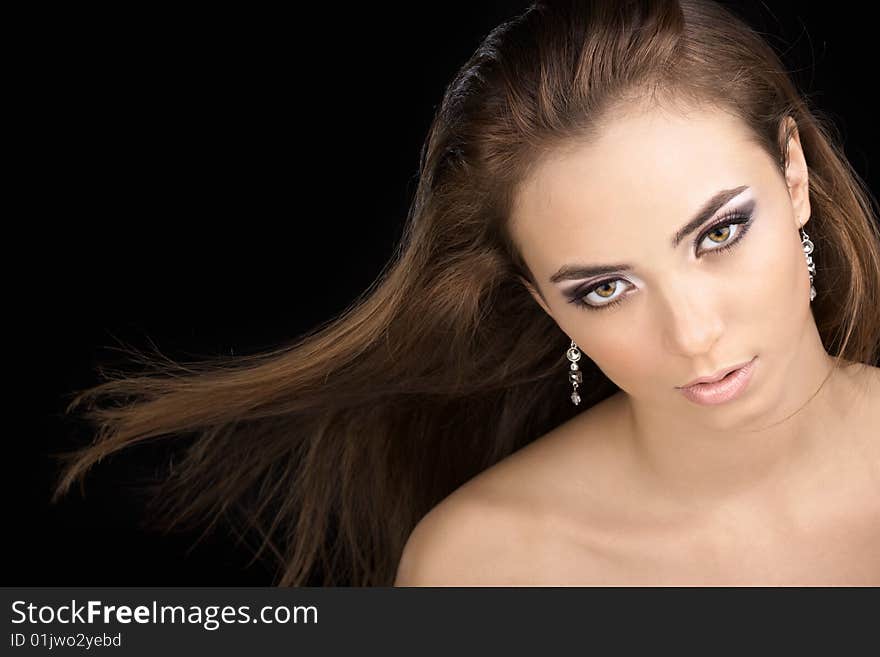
x: 714, y: 377
x: 728, y: 388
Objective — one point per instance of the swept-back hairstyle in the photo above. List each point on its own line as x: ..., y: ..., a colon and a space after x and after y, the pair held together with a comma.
x: 332, y: 447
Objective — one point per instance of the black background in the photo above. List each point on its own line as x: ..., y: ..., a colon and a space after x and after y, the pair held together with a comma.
x: 221, y: 182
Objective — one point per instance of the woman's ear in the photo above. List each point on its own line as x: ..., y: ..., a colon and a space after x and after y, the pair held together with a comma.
x: 536, y: 295
x: 797, y: 174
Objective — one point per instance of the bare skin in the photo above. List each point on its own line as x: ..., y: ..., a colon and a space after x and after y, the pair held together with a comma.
x: 576, y: 507
x: 780, y: 486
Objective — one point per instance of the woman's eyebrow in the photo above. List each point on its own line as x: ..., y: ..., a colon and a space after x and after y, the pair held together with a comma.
x: 706, y: 212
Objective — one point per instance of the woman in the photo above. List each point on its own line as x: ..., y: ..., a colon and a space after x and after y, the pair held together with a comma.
x: 616, y: 199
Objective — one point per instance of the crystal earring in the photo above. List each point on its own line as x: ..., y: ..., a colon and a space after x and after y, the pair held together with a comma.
x: 574, y: 375
x: 808, y: 249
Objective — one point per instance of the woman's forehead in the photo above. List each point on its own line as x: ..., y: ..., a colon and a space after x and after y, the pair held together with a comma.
x: 644, y: 162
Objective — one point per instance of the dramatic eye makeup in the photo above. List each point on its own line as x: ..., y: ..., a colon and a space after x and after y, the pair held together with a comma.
x: 723, y: 235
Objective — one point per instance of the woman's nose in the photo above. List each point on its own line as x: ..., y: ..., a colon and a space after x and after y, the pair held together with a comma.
x: 692, y: 323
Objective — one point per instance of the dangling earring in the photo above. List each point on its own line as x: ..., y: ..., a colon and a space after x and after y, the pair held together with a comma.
x: 575, y: 376
x: 808, y: 249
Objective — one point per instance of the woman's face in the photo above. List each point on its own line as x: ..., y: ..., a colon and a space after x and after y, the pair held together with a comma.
x: 687, y: 305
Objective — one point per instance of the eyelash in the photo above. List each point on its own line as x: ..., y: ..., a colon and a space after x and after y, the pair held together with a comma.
x: 733, y: 217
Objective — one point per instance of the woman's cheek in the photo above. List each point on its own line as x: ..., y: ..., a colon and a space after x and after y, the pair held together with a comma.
x: 772, y: 273
x: 626, y: 361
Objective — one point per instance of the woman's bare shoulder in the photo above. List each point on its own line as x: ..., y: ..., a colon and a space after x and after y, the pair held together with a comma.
x: 465, y: 540
x: 493, y: 530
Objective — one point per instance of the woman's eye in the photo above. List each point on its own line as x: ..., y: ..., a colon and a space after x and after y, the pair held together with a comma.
x: 720, y: 235
x: 604, y: 293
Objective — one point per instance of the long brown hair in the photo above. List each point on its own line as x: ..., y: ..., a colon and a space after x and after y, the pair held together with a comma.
x: 332, y: 447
